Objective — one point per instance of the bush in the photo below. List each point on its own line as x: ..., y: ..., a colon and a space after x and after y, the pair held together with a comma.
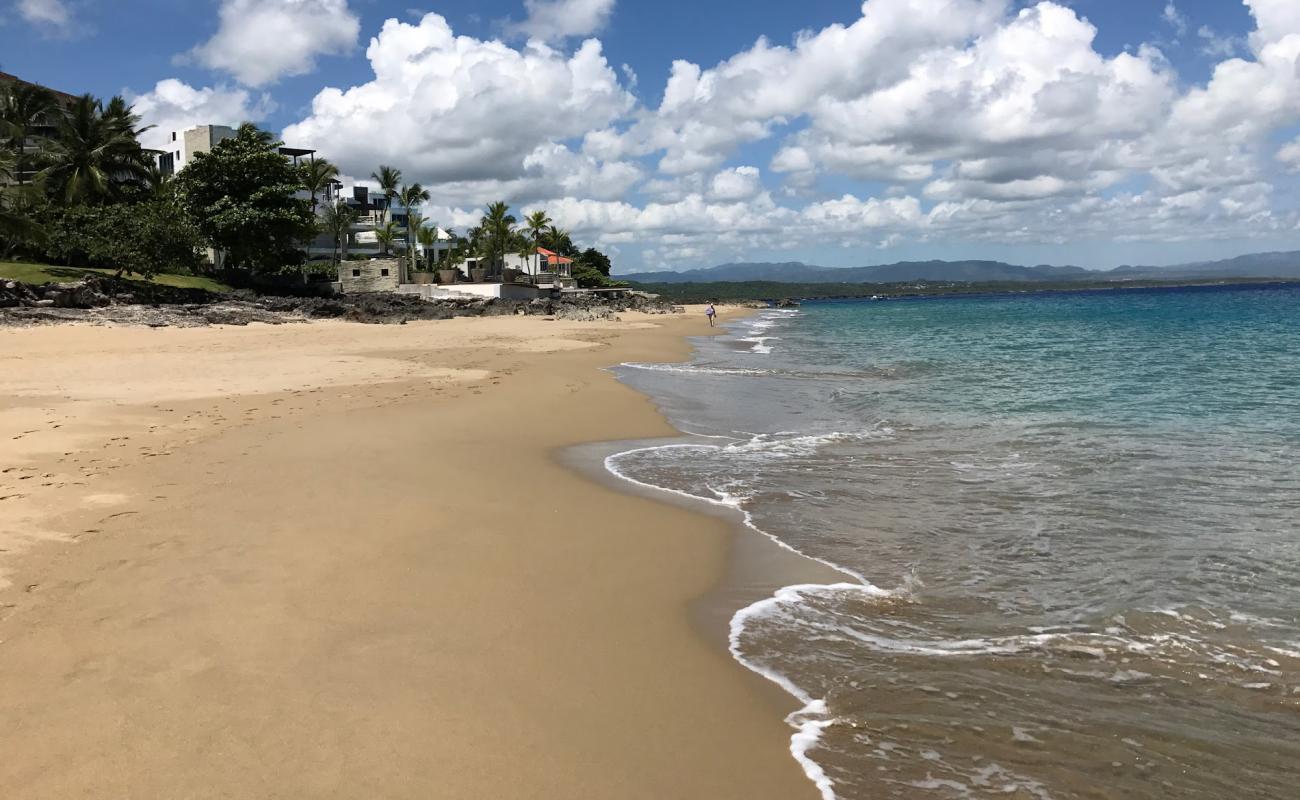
x: 144, y: 238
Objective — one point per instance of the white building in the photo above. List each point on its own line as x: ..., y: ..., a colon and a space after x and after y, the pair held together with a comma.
x: 184, y: 145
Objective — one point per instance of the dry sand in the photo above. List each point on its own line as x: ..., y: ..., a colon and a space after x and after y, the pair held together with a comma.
x: 340, y: 561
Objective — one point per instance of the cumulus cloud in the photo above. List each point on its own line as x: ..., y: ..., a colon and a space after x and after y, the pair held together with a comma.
x: 989, y: 120
x: 705, y: 114
x: 740, y: 183
x: 1290, y: 155
x: 260, y: 41
x: 173, y: 105
x: 552, y: 20
x: 477, y: 116
x: 50, y: 15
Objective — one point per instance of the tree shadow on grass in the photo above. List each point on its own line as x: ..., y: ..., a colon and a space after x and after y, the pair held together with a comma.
x: 73, y: 273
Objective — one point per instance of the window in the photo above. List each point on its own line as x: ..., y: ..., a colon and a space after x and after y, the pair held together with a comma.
x: 173, y: 136
x: 383, y: 273
x: 356, y: 273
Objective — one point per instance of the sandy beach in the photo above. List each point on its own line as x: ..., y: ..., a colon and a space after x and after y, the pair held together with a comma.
x: 339, y: 561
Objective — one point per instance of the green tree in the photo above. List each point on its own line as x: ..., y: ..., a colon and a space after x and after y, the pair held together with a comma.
x: 386, y: 234
x: 498, y: 227
x: 95, y: 153
x: 336, y: 221
x: 558, y: 240
x: 16, y: 225
x: 144, y: 237
x: 427, y: 236
x: 23, y: 108
x: 591, y: 269
x: 592, y: 258
x: 318, y: 174
x: 388, y: 179
x: 242, y: 195
x: 454, y: 245
x: 537, y: 224
x: 412, y: 196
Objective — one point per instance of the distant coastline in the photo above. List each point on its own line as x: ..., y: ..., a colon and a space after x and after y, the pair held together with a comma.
x: 770, y: 291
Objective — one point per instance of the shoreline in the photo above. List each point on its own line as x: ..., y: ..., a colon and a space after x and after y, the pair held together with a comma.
x: 259, y: 600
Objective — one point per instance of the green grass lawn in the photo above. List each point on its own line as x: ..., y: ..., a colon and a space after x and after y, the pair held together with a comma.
x: 46, y: 273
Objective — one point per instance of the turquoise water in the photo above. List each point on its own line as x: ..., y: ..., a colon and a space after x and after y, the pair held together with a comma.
x: 1072, y: 523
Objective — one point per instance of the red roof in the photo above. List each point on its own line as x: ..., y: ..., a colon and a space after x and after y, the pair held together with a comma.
x: 554, y: 257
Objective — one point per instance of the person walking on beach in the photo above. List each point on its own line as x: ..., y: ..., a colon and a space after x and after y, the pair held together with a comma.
x: 710, y: 312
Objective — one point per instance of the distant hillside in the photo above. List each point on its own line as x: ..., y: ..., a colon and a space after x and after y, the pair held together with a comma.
x: 1258, y: 265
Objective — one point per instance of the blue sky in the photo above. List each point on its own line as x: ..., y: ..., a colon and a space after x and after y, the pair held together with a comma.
x: 1092, y: 132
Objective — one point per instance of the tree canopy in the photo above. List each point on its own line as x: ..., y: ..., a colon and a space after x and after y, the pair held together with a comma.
x: 242, y: 196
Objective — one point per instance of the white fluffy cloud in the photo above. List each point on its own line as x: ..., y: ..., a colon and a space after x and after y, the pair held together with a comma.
x: 740, y: 183
x: 1290, y: 155
x: 987, y: 120
x: 261, y: 41
x: 50, y: 15
x: 173, y: 105
x: 705, y: 114
x: 464, y: 113
x: 552, y: 20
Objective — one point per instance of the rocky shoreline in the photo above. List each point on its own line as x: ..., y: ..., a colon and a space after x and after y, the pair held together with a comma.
x: 101, y: 301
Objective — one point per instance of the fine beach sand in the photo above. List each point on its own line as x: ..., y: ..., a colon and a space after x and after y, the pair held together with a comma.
x: 342, y: 561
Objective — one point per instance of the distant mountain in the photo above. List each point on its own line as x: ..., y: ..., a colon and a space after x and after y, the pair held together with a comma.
x: 1258, y: 265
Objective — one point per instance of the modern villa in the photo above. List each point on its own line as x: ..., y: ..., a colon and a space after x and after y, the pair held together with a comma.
x: 369, y: 266
x: 184, y: 145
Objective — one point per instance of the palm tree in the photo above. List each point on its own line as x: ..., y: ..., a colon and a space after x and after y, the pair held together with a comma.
x: 537, y: 223
x: 453, y: 246
x: 412, y: 196
x: 94, y: 153
x: 414, y: 221
x: 498, y: 224
x: 318, y: 174
x: 336, y: 220
x: 388, y: 179
x: 427, y: 236
x: 15, y: 225
x: 123, y: 116
x: 558, y: 239
x: 24, y: 108
x: 386, y: 234
x: 249, y: 128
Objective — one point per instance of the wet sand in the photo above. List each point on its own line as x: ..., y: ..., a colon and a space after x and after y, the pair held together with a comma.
x: 334, y: 560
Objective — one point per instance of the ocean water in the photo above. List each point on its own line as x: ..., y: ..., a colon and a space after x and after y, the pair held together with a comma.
x: 1069, y: 525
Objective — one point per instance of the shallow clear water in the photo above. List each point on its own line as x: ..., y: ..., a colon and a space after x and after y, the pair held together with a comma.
x: 1073, y: 522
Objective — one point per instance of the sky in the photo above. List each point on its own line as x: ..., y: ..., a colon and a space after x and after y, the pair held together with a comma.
x: 679, y: 134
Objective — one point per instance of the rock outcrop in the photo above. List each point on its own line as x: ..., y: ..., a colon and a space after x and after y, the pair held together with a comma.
x: 96, y: 301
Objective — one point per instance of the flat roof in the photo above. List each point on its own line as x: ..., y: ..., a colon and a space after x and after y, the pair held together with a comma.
x: 6, y: 77
x: 295, y: 151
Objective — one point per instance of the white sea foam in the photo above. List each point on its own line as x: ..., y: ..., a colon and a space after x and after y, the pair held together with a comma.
x: 810, y: 721
x: 693, y: 369
x: 760, y: 344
